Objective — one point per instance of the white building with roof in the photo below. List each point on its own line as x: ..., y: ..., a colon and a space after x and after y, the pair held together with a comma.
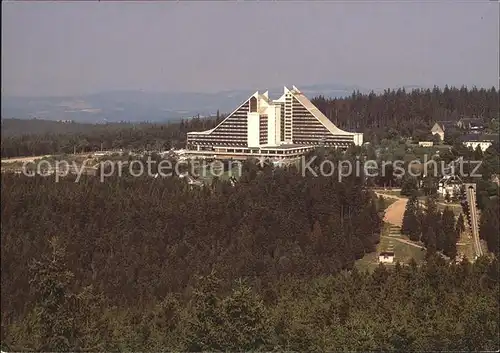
x: 260, y: 126
x: 386, y: 257
x: 450, y: 185
x: 484, y: 141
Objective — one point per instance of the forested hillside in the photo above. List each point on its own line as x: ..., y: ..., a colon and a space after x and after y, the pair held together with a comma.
x: 151, y: 264
x: 115, y: 265
x: 401, y: 113
x: 40, y: 137
x: 388, y: 115
x: 137, y: 240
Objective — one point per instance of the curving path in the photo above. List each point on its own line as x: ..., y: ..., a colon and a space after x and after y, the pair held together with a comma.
x: 394, y: 213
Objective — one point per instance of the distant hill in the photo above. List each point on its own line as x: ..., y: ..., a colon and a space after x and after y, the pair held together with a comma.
x: 136, y: 106
x: 17, y: 127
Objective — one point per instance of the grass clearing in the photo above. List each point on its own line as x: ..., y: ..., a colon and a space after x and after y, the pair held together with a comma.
x: 456, y: 208
x: 388, y: 201
x: 403, y: 252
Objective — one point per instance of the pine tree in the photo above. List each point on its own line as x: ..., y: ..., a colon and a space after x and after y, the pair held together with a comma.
x: 478, y: 153
x: 205, y: 326
x: 490, y: 163
x: 410, y: 225
x: 449, y: 233
x: 460, y: 226
x: 381, y: 203
x: 431, y: 217
x: 316, y: 237
x: 409, y: 186
x: 430, y: 244
x: 438, y: 231
x: 53, y: 319
x: 489, y: 228
x: 431, y: 205
x: 246, y: 325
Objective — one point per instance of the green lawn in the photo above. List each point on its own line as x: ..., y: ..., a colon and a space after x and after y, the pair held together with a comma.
x: 457, y: 209
x: 403, y: 252
x: 466, y: 247
x: 389, y: 201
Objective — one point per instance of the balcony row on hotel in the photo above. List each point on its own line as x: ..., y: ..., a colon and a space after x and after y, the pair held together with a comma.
x: 287, y: 126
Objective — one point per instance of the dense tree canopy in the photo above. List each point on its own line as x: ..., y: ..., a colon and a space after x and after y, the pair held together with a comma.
x: 489, y: 228
x: 141, y: 238
x: 408, y: 114
x: 19, y: 138
x: 150, y: 264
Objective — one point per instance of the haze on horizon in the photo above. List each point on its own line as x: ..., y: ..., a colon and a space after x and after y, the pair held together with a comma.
x: 73, y: 48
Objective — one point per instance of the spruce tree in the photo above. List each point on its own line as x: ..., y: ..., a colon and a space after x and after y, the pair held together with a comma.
x: 53, y: 325
x: 430, y: 217
x: 460, y: 225
x: 430, y: 244
x: 438, y: 231
x: 489, y: 228
x: 316, y: 237
x: 410, y: 225
x: 478, y: 153
x: 381, y: 203
x: 246, y: 325
x: 409, y: 186
x: 449, y: 233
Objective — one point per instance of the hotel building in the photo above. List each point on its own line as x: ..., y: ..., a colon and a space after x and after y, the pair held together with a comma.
x: 261, y: 127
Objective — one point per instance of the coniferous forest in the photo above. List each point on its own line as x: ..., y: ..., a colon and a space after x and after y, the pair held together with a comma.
x: 267, y: 264
x: 149, y: 264
x: 400, y: 113
x: 394, y: 113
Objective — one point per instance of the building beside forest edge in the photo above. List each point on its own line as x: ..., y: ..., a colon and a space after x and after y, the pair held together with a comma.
x: 261, y: 127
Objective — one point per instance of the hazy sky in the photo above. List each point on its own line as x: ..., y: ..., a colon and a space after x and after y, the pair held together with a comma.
x: 54, y: 48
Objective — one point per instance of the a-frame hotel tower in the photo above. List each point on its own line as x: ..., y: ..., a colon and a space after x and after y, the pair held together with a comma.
x: 284, y: 127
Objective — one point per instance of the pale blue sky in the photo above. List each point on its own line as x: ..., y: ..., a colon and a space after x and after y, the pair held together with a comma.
x: 54, y: 48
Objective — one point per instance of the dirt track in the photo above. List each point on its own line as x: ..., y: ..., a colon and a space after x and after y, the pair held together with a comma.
x: 394, y: 213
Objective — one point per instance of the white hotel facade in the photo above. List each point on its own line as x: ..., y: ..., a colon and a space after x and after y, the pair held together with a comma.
x: 260, y: 127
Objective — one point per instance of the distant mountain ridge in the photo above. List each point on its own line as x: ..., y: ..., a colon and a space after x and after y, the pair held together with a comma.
x: 137, y: 106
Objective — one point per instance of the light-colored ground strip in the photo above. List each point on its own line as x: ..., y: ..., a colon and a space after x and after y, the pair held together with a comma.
x: 23, y: 159
x: 394, y: 216
x: 394, y: 213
